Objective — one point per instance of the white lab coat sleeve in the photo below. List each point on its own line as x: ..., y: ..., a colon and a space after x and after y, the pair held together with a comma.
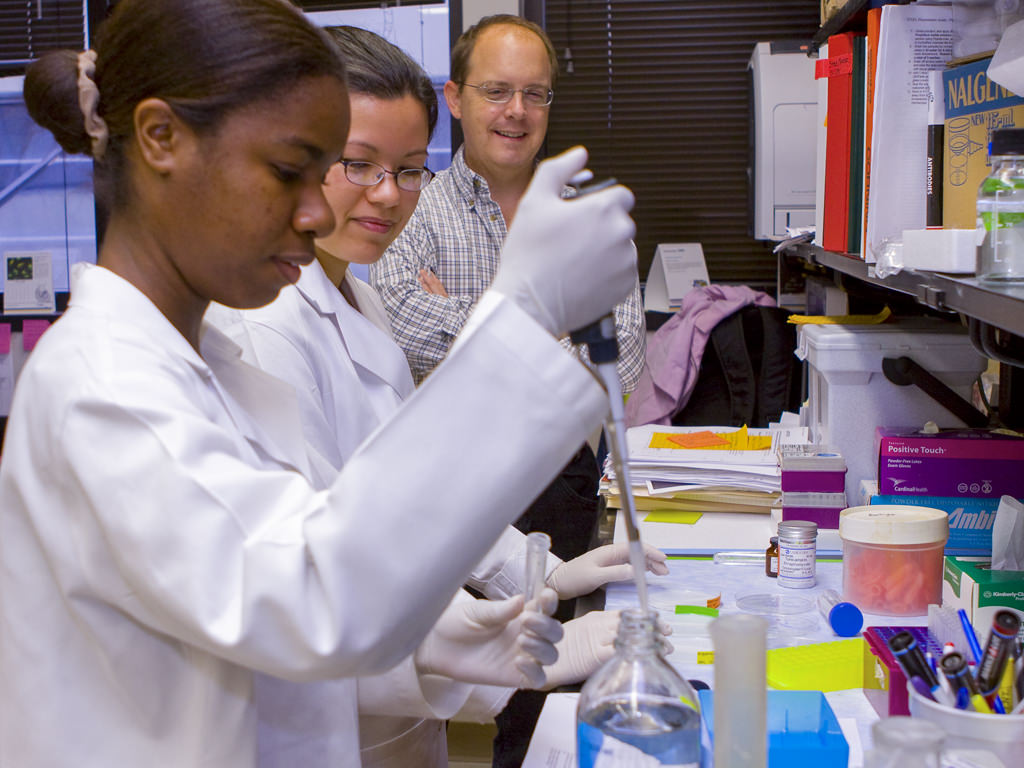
x: 251, y: 564
x: 484, y: 704
x: 402, y: 691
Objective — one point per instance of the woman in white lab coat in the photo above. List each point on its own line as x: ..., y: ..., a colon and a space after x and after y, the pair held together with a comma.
x: 330, y: 338
x: 159, y: 542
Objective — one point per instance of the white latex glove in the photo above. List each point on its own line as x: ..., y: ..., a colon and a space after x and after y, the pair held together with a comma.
x: 568, y: 262
x: 601, y: 566
x: 493, y: 642
x: 588, y: 643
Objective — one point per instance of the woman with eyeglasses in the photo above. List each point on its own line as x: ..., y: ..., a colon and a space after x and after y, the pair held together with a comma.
x: 329, y: 337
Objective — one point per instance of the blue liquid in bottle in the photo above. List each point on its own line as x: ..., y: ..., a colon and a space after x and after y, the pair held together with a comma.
x: 636, y: 702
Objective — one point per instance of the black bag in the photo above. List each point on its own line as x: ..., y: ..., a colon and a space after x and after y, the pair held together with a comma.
x: 749, y: 373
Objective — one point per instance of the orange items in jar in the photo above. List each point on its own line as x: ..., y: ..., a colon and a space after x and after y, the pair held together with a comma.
x: 892, y: 558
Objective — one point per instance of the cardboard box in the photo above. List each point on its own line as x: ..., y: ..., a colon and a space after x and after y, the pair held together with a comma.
x: 820, y: 508
x: 956, y: 462
x: 971, y: 584
x: 830, y: 8
x: 975, y: 106
x: 970, y: 520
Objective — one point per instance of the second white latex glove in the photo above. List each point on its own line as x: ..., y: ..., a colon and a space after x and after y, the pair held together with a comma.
x: 588, y: 643
x: 568, y: 262
x: 600, y: 566
x: 493, y: 642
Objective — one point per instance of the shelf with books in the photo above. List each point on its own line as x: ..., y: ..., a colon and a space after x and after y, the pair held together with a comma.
x: 999, y: 307
x: 850, y: 17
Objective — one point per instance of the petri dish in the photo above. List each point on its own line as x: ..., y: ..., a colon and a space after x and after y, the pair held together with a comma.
x: 774, y: 605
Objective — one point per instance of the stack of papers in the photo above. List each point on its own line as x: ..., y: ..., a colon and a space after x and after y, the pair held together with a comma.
x: 702, y: 469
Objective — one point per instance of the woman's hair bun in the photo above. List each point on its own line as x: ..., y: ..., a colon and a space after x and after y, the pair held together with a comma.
x: 51, y: 96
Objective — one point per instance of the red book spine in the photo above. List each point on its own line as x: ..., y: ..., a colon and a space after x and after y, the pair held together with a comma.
x: 838, y: 68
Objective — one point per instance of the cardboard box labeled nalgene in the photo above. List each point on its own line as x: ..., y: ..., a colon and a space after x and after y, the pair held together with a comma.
x: 971, y: 584
x: 956, y: 462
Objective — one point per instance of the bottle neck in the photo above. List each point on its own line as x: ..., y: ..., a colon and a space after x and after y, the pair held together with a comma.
x: 638, y: 633
x: 999, y: 160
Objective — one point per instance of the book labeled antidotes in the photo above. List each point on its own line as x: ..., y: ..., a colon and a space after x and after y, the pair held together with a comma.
x: 933, y: 166
x: 975, y: 106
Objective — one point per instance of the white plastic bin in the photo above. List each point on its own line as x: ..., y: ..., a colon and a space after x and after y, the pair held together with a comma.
x: 849, y: 396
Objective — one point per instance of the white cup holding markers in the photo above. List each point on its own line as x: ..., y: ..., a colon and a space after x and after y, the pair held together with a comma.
x: 1003, y: 735
x: 970, y: 702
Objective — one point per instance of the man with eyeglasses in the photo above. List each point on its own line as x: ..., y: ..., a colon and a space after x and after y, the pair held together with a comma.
x: 501, y: 89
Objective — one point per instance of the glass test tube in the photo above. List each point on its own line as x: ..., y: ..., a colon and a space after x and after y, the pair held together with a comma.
x: 537, y: 547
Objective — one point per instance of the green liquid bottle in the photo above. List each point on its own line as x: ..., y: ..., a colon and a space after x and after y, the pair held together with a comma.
x: 1001, y: 211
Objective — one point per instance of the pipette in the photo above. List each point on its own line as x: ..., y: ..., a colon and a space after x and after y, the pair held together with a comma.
x: 603, y: 351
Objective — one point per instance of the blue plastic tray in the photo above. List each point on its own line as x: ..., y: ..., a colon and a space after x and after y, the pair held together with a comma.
x: 802, y: 731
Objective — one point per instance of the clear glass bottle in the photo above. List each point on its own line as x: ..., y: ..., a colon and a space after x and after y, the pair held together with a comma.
x: 907, y: 742
x: 1001, y: 211
x: 637, y: 703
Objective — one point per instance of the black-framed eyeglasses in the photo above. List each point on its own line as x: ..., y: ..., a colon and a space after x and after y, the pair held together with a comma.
x: 499, y: 93
x: 367, y: 174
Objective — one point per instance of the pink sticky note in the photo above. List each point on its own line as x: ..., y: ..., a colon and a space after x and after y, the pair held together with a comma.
x: 31, y: 330
x: 5, y: 338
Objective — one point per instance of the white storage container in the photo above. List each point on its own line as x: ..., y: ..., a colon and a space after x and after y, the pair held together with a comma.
x: 849, y: 396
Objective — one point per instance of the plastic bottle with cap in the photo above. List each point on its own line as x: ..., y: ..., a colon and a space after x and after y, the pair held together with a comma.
x: 1001, y: 211
x: 845, y: 618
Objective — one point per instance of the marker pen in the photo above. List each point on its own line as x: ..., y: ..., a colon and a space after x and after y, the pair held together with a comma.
x: 910, y: 657
x: 954, y: 667
x: 999, y: 649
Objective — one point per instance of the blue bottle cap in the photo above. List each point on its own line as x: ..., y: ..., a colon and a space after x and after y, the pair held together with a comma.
x: 846, y: 619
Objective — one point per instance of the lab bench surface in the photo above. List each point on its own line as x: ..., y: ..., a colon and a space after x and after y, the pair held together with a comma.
x: 695, y: 578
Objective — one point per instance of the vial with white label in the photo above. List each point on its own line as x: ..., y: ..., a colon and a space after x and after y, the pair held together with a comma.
x: 798, y: 544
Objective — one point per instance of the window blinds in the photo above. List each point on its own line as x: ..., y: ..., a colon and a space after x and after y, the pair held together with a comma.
x: 659, y: 92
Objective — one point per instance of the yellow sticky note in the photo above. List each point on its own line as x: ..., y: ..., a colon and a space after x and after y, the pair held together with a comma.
x: 672, y: 516
x: 881, y: 317
x: 705, y: 657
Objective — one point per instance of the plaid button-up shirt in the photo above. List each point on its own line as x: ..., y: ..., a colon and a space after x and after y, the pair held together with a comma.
x: 457, y: 232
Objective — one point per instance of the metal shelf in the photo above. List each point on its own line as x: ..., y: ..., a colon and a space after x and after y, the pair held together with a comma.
x: 851, y: 15
x: 1001, y: 307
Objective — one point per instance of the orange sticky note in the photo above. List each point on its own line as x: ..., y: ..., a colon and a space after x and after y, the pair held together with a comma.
x: 703, y: 439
